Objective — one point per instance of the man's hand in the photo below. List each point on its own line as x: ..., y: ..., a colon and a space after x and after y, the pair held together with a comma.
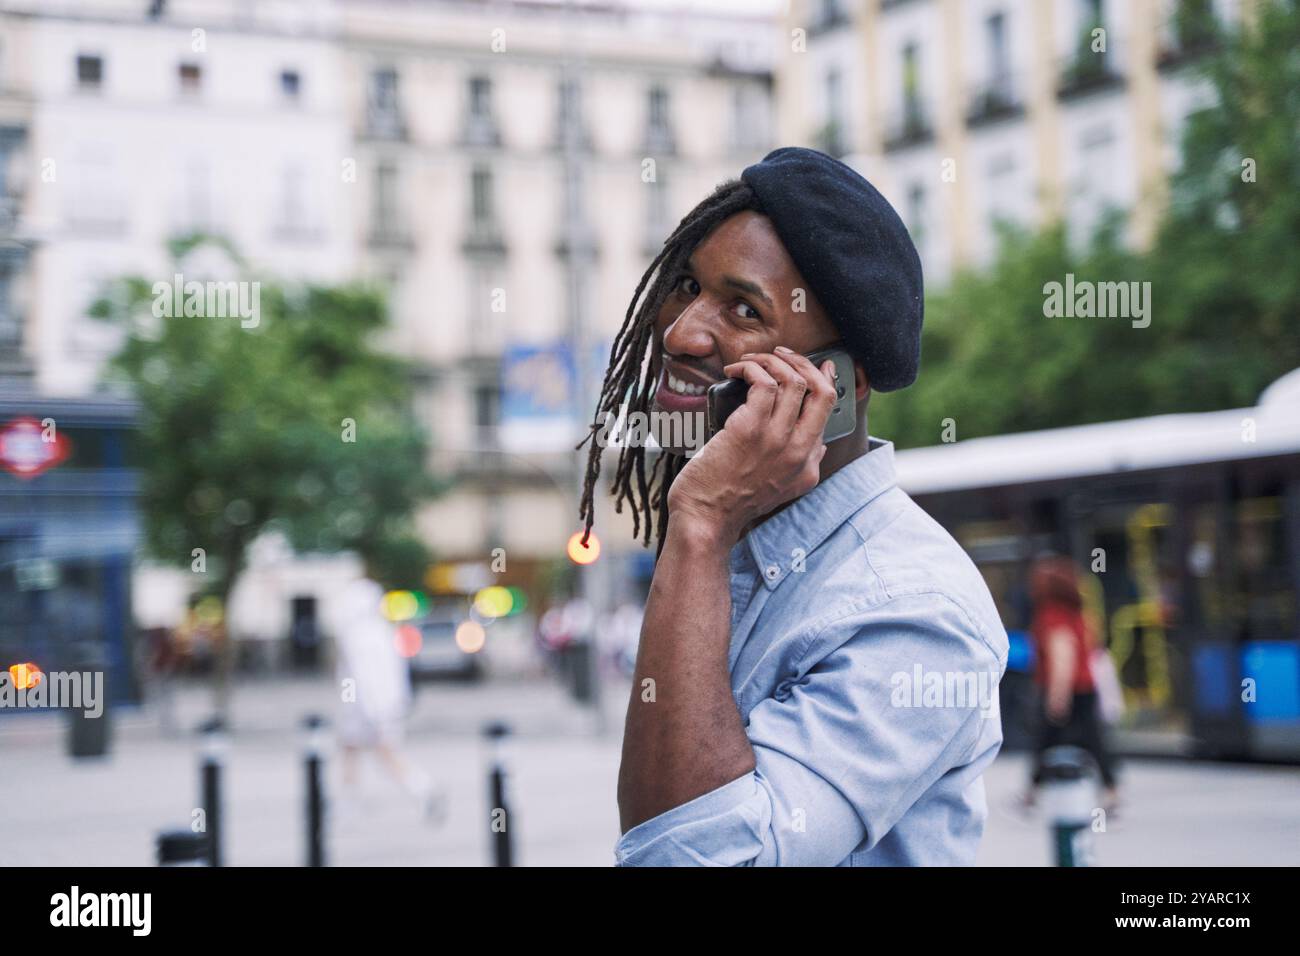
x: 768, y: 453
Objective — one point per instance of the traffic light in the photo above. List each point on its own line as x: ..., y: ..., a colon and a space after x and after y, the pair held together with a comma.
x: 580, y: 553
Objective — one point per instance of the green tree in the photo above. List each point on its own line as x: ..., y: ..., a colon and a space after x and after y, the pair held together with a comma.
x: 1224, y: 272
x: 1226, y: 264
x: 993, y: 362
x: 295, y: 423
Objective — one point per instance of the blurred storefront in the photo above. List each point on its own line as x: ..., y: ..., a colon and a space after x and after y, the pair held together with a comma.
x: 68, y: 530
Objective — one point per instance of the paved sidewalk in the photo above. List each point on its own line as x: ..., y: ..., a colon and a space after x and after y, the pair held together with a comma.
x: 561, y: 786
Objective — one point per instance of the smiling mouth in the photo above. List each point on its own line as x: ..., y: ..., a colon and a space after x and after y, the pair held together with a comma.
x: 682, y: 387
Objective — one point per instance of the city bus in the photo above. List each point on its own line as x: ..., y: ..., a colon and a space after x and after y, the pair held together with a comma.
x: 1188, y: 529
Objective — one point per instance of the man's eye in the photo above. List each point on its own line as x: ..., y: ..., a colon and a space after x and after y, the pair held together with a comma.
x: 688, y: 286
x: 746, y: 311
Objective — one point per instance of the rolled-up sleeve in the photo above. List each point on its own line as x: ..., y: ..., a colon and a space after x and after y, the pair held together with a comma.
x: 840, y: 755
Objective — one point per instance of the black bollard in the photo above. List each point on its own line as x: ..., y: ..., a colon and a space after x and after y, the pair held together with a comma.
x: 181, y: 848
x: 1069, y: 798
x: 314, y: 752
x: 213, y: 755
x: 499, y: 820
x: 89, y: 736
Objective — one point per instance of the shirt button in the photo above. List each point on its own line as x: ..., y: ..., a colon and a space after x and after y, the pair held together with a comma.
x: 772, y: 572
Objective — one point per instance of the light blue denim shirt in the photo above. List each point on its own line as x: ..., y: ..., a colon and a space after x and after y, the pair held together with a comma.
x: 865, y: 657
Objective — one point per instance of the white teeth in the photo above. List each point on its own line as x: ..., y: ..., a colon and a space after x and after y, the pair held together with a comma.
x: 675, y: 384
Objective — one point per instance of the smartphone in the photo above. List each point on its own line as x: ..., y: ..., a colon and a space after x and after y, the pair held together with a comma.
x: 725, y: 397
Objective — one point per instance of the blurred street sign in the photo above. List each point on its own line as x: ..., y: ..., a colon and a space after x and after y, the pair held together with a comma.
x: 539, y: 412
x: 538, y: 384
x: 27, y: 448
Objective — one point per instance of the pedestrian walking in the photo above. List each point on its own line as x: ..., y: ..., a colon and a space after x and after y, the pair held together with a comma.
x: 375, y: 685
x: 1065, y: 673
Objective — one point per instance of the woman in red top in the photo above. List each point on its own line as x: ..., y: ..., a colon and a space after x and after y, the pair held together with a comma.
x: 1063, y: 645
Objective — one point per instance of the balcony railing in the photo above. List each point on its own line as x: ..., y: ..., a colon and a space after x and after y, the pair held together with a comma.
x: 910, y: 126
x: 484, y: 237
x: 385, y: 122
x: 480, y: 130
x: 572, y: 135
x: 390, y: 233
x: 831, y: 139
x: 1087, y: 71
x: 999, y: 99
x: 1193, y: 33
x: 659, y: 140
x: 828, y: 16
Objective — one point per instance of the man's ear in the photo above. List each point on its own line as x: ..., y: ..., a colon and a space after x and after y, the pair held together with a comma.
x: 861, y: 384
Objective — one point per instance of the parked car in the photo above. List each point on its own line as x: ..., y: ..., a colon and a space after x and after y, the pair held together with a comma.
x: 439, y: 656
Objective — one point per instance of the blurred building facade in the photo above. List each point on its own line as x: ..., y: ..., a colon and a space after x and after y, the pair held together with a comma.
x: 518, y: 167
x: 506, y: 169
x: 970, y: 112
x: 124, y: 125
x: 144, y: 124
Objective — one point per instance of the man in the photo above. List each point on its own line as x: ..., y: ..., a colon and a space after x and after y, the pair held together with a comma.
x: 801, y: 602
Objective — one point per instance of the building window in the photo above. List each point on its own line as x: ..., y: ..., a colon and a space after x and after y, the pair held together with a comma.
x: 480, y: 127
x: 383, y: 90
x: 480, y: 97
x: 7, y: 148
x: 995, y: 29
x: 1088, y: 66
x: 90, y: 72
x: 911, y: 77
x: 570, y: 126
x: 995, y: 98
x: 385, y: 200
x: 481, y: 195
x: 11, y: 332
x: 909, y: 125
x: 384, y: 115
x: 659, y: 129
x: 483, y: 237
x: 748, y: 117
x: 191, y: 78
x: 658, y: 107
x: 832, y: 137
x: 829, y: 14
x: 1192, y: 30
x: 290, y: 85
x: 487, y: 405
x: 916, y: 213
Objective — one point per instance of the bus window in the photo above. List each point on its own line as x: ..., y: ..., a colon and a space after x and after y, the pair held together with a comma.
x: 1262, y: 598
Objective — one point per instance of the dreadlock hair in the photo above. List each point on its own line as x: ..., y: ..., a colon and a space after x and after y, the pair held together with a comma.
x: 629, y: 378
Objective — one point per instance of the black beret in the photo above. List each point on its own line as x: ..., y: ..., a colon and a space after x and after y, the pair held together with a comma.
x: 855, y: 253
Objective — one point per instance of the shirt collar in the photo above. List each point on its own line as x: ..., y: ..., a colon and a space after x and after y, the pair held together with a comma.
x: 810, y: 520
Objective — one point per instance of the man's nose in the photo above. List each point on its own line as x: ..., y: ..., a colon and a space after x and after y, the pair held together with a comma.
x: 691, y: 333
